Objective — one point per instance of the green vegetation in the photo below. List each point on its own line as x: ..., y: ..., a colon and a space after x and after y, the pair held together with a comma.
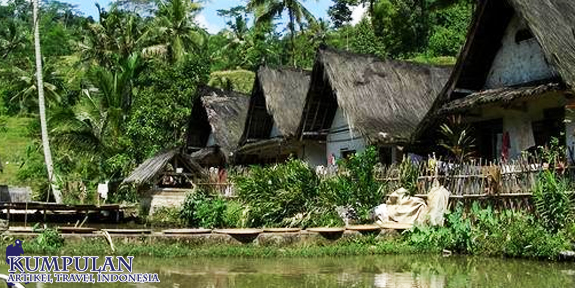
x: 481, y: 232
x: 236, y: 80
x: 486, y: 232
x: 203, y: 210
x: 355, y: 186
x: 120, y: 89
x: 15, y: 139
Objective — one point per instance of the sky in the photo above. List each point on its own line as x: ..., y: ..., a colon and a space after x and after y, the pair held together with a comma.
x: 209, y: 19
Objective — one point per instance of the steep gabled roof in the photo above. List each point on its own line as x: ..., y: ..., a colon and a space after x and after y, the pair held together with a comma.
x: 383, y: 99
x: 152, y: 167
x: 222, y: 113
x: 550, y: 21
x: 277, y: 98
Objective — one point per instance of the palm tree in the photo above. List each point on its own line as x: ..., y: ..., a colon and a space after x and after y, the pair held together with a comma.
x: 42, y: 106
x: 176, y: 34
x: 268, y: 10
x: 94, y: 125
x: 12, y: 37
x: 24, y: 82
x: 117, y: 36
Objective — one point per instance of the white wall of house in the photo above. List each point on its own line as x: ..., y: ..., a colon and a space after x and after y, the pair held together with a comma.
x: 275, y: 131
x: 313, y: 153
x: 570, y: 131
x: 517, y: 63
x: 341, y: 138
x: 211, y: 140
x: 518, y: 119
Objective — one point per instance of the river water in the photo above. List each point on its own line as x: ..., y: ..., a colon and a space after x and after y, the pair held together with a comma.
x: 374, y: 271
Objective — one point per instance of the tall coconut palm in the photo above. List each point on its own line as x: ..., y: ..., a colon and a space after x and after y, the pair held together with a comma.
x: 114, y: 39
x: 42, y: 106
x: 24, y: 82
x: 268, y: 10
x: 176, y: 33
x: 12, y: 37
x: 94, y: 125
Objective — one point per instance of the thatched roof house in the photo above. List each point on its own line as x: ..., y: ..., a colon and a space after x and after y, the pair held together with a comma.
x: 511, y: 75
x: 274, y: 111
x: 355, y: 99
x: 216, y: 125
x: 171, y: 162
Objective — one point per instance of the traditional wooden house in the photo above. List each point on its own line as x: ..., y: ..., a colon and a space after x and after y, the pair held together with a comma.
x: 273, y: 117
x: 513, y: 77
x: 164, y: 180
x: 216, y: 125
x: 358, y: 100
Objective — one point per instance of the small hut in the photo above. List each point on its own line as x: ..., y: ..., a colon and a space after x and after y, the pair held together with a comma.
x: 357, y: 100
x: 511, y: 81
x: 164, y: 179
x: 273, y: 117
x: 216, y: 125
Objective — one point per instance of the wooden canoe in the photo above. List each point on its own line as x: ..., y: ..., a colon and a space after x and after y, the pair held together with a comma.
x: 128, y: 231
x: 24, y: 230
x: 239, y: 232
x: 364, y: 228
x: 395, y: 225
x: 326, y: 230
x: 282, y: 230
x: 187, y: 231
x: 76, y: 230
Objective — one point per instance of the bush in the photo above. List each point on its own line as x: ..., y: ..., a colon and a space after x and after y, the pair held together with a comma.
x: 235, y: 215
x: 50, y: 239
x: 482, y: 231
x: 554, y: 205
x: 275, y: 193
x: 166, y: 217
x: 202, y: 210
x: 355, y: 186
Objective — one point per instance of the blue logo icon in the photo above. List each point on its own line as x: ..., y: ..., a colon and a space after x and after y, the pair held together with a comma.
x: 14, y: 250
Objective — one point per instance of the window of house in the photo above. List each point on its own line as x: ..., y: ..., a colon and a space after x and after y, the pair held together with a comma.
x: 523, y: 35
x: 386, y: 155
x: 550, y: 126
x: 489, y: 139
x: 346, y: 154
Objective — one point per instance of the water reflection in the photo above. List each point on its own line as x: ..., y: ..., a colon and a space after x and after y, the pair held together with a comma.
x: 374, y: 271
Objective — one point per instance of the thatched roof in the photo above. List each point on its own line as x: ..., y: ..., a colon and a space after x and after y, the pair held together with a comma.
x: 504, y: 96
x: 222, y: 113
x: 150, y: 168
x: 550, y: 21
x: 277, y: 98
x: 383, y: 99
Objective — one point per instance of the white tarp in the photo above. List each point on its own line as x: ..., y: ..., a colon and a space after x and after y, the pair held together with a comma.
x: 403, y: 208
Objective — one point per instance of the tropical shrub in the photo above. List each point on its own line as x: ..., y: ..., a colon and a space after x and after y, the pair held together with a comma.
x: 408, y: 175
x: 203, y: 210
x: 50, y: 239
x: 165, y: 216
x: 484, y: 232
x: 275, y: 193
x: 235, y: 214
x: 355, y: 186
x: 554, y: 205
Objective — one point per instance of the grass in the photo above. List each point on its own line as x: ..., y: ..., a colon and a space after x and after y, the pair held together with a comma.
x: 442, y: 61
x: 352, y: 247
x: 13, y: 141
x: 241, y: 80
